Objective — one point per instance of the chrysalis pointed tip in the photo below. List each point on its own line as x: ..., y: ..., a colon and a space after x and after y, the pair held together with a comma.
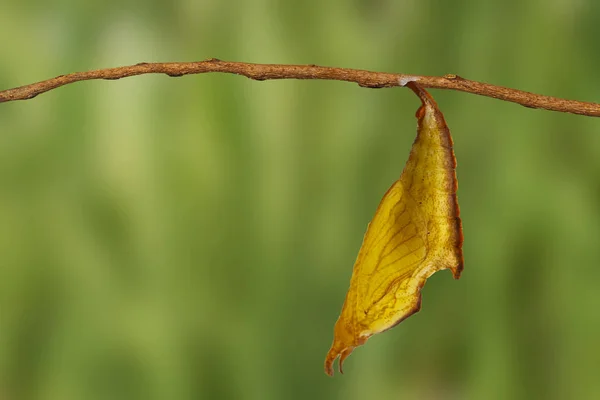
x: 329, y: 369
x: 343, y: 356
x: 332, y: 354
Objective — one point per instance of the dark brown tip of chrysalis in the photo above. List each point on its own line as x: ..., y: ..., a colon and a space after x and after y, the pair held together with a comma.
x: 329, y: 360
x: 333, y: 354
x: 343, y: 356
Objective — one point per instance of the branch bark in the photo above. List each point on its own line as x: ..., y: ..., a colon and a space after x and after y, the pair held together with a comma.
x: 261, y: 72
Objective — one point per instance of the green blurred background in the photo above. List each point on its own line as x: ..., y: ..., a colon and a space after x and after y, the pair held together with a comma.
x: 193, y: 237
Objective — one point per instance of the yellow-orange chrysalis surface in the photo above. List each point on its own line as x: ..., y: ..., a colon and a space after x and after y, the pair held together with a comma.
x: 415, y: 232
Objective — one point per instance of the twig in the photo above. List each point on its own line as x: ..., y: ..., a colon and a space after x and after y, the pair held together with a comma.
x: 263, y: 72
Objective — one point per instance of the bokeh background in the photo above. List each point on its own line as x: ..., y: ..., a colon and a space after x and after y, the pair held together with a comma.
x: 193, y: 237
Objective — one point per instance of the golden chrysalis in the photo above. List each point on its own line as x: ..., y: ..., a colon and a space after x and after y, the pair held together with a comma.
x: 415, y: 232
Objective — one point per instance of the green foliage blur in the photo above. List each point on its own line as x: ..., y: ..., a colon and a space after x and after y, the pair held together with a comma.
x: 193, y: 237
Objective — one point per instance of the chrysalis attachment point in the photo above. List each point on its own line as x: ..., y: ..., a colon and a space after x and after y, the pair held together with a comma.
x: 406, y: 79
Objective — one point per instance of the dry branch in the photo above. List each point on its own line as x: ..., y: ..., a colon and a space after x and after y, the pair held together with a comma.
x: 263, y: 72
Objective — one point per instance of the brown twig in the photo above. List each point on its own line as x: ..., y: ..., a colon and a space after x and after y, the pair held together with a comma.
x: 263, y: 72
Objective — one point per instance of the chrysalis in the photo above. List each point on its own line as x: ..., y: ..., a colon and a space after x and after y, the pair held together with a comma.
x: 415, y: 232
